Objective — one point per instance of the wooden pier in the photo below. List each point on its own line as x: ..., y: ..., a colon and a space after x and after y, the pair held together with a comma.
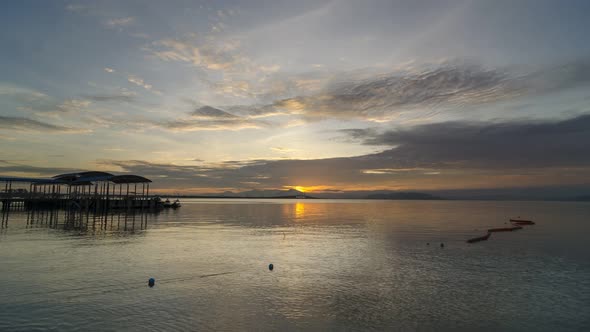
x: 94, y: 191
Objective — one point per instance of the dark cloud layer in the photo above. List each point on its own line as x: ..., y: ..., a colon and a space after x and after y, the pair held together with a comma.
x: 8, y: 167
x: 439, y: 154
x: 486, y: 145
x: 426, y: 156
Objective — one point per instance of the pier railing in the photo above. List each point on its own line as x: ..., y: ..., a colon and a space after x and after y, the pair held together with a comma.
x: 66, y: 197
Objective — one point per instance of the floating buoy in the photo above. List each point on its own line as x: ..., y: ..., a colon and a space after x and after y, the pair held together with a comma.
x: 151, y: 282
x: 271, y: 267
x: 427, y: 243
x: 442, y: 245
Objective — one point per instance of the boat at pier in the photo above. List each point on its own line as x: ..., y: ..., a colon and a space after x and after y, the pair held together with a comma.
x: 168, y: 204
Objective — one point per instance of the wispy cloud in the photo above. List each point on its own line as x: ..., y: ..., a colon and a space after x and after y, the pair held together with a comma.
x: 212, y: 124
x: 382, y: 98
x: 124, y: 96
x: 208, y: 112
x: 120, y: 22
x: 25, y: 124
x: 140, y: 82
x: 211, y: 55
x: 207, y: 118
x: 21, y: 94
x: 73, y: 105
x: 76, y: 7
x: 281, y: 149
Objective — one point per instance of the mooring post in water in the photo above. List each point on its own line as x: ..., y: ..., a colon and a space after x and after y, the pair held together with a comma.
x: 108, y: 192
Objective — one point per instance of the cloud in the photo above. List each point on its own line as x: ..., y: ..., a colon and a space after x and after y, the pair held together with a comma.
x: 432, y: 89
x: 208, y: 112
x: 280, y: 149
x: 73, y: 105
x: 211, y: 118
x: 439, y: 156
x: 382, y: 98
x: 50, y: 106
x: 21, y: 94
x: 212, y: 124
x: 120, y: 22
x: 487, y: 145
x: 26, y: 124
x: 11, y: 167
x: 76, y: 7
x: 135, y: 79
x: 270, y: 69
x: 140, y: 82
x: 210, y: 55
x: 118, y: 97
x: 32, y: 100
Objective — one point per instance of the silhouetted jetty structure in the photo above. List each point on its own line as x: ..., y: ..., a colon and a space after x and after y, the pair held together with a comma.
x: 83, y: 191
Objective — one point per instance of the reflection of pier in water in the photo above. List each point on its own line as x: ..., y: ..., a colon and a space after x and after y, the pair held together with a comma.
x: 82, y: 221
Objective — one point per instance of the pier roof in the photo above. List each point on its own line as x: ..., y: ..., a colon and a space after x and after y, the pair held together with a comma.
x: 84, y: 176
x: 129, y: 179
x: 80, y: 178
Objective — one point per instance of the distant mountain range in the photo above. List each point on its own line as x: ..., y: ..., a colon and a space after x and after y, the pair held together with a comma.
x: 290, y: 193
x: 571, y: 193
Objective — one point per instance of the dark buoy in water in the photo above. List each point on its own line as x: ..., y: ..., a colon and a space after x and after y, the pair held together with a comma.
x: 427, y: 243
x: 442, y: 245
x: 271, y: 267
x: 151, y: 282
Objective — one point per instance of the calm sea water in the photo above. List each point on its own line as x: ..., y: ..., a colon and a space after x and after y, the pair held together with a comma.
x: 338, y: 265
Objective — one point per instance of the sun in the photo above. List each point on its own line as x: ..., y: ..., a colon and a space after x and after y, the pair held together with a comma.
x: 298, y: 188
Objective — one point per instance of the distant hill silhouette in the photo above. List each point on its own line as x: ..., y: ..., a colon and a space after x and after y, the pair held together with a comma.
x: 291, y: 193
x: 404, y: 195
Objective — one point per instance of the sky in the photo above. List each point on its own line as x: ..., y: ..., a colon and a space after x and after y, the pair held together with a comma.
x: 322, y: 96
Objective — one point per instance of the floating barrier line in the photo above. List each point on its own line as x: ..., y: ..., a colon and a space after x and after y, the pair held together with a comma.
x: 118, y: 287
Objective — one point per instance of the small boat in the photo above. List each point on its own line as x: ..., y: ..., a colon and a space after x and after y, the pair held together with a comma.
x: 522, y: 222
x: 173, y: 205
x: 481, y: 238
x: 504, y: 229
